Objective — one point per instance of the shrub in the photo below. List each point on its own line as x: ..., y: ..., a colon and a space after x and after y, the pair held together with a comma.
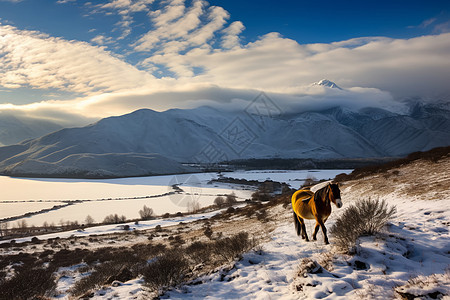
x: 193, y: 206
x: 89, y: 220
x: 199, y: 252
x: 28, y: 283
x: 231, y: 199
x: 146, y: 213
x: 259, y: 196
x: 114, y: 219
x: 261, y: 215
x: 103, y: 274
x: 167, y: 269
x: 219, y: 201
x: 230, y: 210
x: 208, y: 232
x: 365, y: 217
x: 231, y: 247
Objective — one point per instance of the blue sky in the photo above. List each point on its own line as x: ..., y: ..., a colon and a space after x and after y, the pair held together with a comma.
x: 54, y: 52
x: 304, y: 21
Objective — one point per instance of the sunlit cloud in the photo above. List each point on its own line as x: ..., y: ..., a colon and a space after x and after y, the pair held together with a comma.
x: 32, y: 59
x: 191, y: 54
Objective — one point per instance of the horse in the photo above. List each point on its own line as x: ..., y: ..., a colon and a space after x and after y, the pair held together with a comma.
x: 309, y: 205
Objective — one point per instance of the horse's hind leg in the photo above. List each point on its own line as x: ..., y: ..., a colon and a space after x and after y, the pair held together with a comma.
x: 298, y: 226
x: 304, y: 234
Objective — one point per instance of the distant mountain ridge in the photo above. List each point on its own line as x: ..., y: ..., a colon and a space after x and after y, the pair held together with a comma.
x: 147, y: 142
x: 14, y: 129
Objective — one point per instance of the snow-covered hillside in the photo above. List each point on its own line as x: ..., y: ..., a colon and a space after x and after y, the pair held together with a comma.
x: 149, y: 142
x: 15, y: 129
x: 409, y: 258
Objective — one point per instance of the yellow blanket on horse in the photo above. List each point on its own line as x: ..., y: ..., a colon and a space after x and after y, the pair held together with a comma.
x: 299, y: 197
x: 303, y: 195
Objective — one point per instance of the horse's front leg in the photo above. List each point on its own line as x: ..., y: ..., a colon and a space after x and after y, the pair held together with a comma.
x: 324, y: 230
x: 316, y: 229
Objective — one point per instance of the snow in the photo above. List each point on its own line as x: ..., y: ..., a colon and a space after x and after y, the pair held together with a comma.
x: 129, y: 145
x: 113, y: 228
x: 9, y: 209
x: 410, y: 256
x: 102, y: 197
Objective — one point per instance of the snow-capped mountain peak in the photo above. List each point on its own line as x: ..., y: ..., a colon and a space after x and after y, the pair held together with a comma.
x: 327, y: 83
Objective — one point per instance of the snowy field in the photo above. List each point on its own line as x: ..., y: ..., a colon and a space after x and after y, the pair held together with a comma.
x: 126, y: 196
x: 9, y: 209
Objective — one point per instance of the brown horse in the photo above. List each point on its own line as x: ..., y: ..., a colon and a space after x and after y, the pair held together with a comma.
x: 309, y: 205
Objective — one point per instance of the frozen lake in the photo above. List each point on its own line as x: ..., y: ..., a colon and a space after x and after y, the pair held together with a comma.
x: 110, y: 196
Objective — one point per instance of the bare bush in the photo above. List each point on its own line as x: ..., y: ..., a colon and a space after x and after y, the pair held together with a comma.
x: 114, y: 219
x: 199, y: 252
x: 167, y: 269
x: 193, y: 206
x: 89, y: 220
x: 365, y: 217
x: 231, y: 247
x: 219, y: 201
x: 208, y: 231
x: 231, y: 199
x: 309, y: 181
x: 28, y: 283
x: 102, y: 274
x: 4, y: 228
x: 146, y: 213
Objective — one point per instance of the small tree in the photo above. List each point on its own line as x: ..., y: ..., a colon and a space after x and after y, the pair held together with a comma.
x: 231, y: 199
x: 89, y: 220
x: 146, y: 213
x: 114, y: 219
x: 4, y: 228
x: 22, y: 225
x: 193, y: 206
x: 219, y: 201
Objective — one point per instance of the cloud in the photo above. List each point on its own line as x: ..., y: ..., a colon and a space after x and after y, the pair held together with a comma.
x: 442, y: 28
x: 125, y: 9
x: 230, y: 38
x: 31, y: 59
x: 102, y: 40
x: 85, y: 110
x: 405, y: 67
x: 199, y: 58
x: 426, y: 23
x: 64, y: 1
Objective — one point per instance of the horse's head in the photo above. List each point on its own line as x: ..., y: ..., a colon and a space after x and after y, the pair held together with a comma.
x: 335, y: 194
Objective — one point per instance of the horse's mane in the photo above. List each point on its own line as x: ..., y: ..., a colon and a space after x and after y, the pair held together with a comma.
x: 320, y: 186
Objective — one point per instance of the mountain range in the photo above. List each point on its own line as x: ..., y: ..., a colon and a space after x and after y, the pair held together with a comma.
x: 147, y: 142
x: 15, y: 129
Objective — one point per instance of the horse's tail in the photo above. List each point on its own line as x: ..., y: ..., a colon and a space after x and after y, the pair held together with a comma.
x: 298, y: 226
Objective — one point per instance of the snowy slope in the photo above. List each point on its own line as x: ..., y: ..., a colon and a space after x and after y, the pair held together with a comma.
x: 410, y: 257
x: 14, y: 129
x: 209, y: 135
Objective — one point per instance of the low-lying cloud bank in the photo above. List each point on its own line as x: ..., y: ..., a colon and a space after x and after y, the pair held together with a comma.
x: 185, y: 61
